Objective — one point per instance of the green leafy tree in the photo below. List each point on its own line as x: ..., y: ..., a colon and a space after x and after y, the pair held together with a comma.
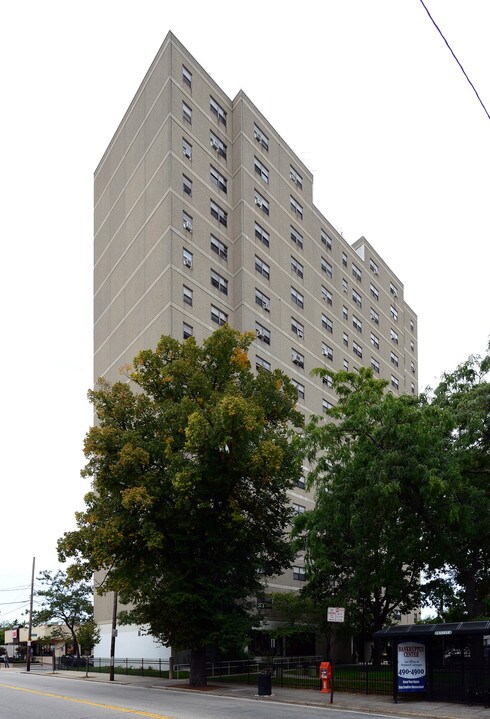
x: 463, y: 518
x: 64, y: 601
x: 377, y: 474
x: 189, y: 505
x: 297, y: 615
x: 88, y: 635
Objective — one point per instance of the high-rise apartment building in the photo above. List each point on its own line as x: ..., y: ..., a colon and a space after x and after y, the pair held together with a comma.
x: 204, y: 215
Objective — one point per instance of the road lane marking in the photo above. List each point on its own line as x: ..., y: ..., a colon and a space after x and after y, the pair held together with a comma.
x: 126, y: 710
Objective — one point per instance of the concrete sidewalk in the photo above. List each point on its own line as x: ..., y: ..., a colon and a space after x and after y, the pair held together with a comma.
x: 371, y: 703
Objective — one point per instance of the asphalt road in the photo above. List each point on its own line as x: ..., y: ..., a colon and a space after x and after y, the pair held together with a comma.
x: 24, y: 696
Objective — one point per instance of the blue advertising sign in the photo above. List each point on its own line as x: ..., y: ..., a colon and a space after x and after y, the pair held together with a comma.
x: 411, y: 667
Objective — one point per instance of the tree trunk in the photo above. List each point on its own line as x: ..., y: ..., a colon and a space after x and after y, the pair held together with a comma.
x: 198, y: 667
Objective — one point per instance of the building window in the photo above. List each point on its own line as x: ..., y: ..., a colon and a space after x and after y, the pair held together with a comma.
x: 374, y: 316
x: 300, y: 388
x: 412, y: 346
x: 187, y: 258
x: 356, y: 272
x: 345, y: 285
x: 412, y: 387
x: 187, y: 113
x: 261, y: 137
x: 394, y: 335
x: 261, y: 202
x: 375, y: 340
x: 297, y: 358
x: 219, y: 248
x: 326, y: 406
x: 297, y: 298
x: 374, y: 292
x: 412, y: 325
x: 296, y: 207
x: 186, y: 149
x: 357, y: 324
x: 345, y: 364
x: 262, y: 234
x: 187, y: 330
x: 296, y: 237
x: 261, y: 363
x: 187, y: 295
x: 187, y: 77
x: 218, y: 145
x: 345, y: 339
x: 326, y: 267
x: 344, y: 259
x: 393, y: 290
x: 262, y: 300
x: 327, y: 323
x: 187, y: 221
x: 327, y: 351
x: 218, y: 316
x: 262, y: 333
x: 262, y: 268
x: 297, y: 328
x: 218, y: 179
x: 295, y: 177
x: 412, y: 367
x: 217, y: 111
x: 373, y: 266
x: 327, y: 296
x: 218, y: 213
x: 299, y: 573
x: 219, y: 282
x: 394, y: 382
x: 356, y: 298
x: 327, y: 381
x: 186, y: 185
x: 326, y: 239
x: 375, y: 365
x: 297, y: 267
x: 357, y: 349
x: 301, y: 483
x: 298, y: 508
x: 345, y: 313
x: 261, y: 170
x: 394, y: 358
x: 394, y: 313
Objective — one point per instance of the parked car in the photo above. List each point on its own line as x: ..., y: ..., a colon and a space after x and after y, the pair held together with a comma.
x: 71, y: 661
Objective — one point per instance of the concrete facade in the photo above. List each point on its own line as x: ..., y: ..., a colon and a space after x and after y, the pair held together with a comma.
x: 204, y: 215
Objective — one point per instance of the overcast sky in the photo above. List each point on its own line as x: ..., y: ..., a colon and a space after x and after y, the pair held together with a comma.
x: 364, y: 91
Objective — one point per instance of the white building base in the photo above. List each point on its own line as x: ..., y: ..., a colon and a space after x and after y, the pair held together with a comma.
x: 131, y: 642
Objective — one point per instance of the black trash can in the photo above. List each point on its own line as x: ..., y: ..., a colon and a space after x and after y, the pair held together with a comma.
x: 264, y: 684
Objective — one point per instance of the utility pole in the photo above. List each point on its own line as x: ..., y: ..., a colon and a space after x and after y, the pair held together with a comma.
x: 113, y: 637
x: 29, y: 633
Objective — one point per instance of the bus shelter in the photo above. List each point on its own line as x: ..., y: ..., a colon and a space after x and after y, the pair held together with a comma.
x: 441, y: 662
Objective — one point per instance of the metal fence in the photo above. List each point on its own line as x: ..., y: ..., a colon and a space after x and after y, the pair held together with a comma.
x: 304, y: 673
x: 295, y: 672
x: 299, y: 672
x: 127, y: 665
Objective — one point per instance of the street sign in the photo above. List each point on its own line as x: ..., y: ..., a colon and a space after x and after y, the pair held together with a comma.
x: 335, y: 614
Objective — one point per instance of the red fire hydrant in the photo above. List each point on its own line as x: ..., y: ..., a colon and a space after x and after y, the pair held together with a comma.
x: 325, y: 677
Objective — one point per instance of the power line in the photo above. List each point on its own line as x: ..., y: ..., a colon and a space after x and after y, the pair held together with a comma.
x: 453, y: 54
x: 15, y: 589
